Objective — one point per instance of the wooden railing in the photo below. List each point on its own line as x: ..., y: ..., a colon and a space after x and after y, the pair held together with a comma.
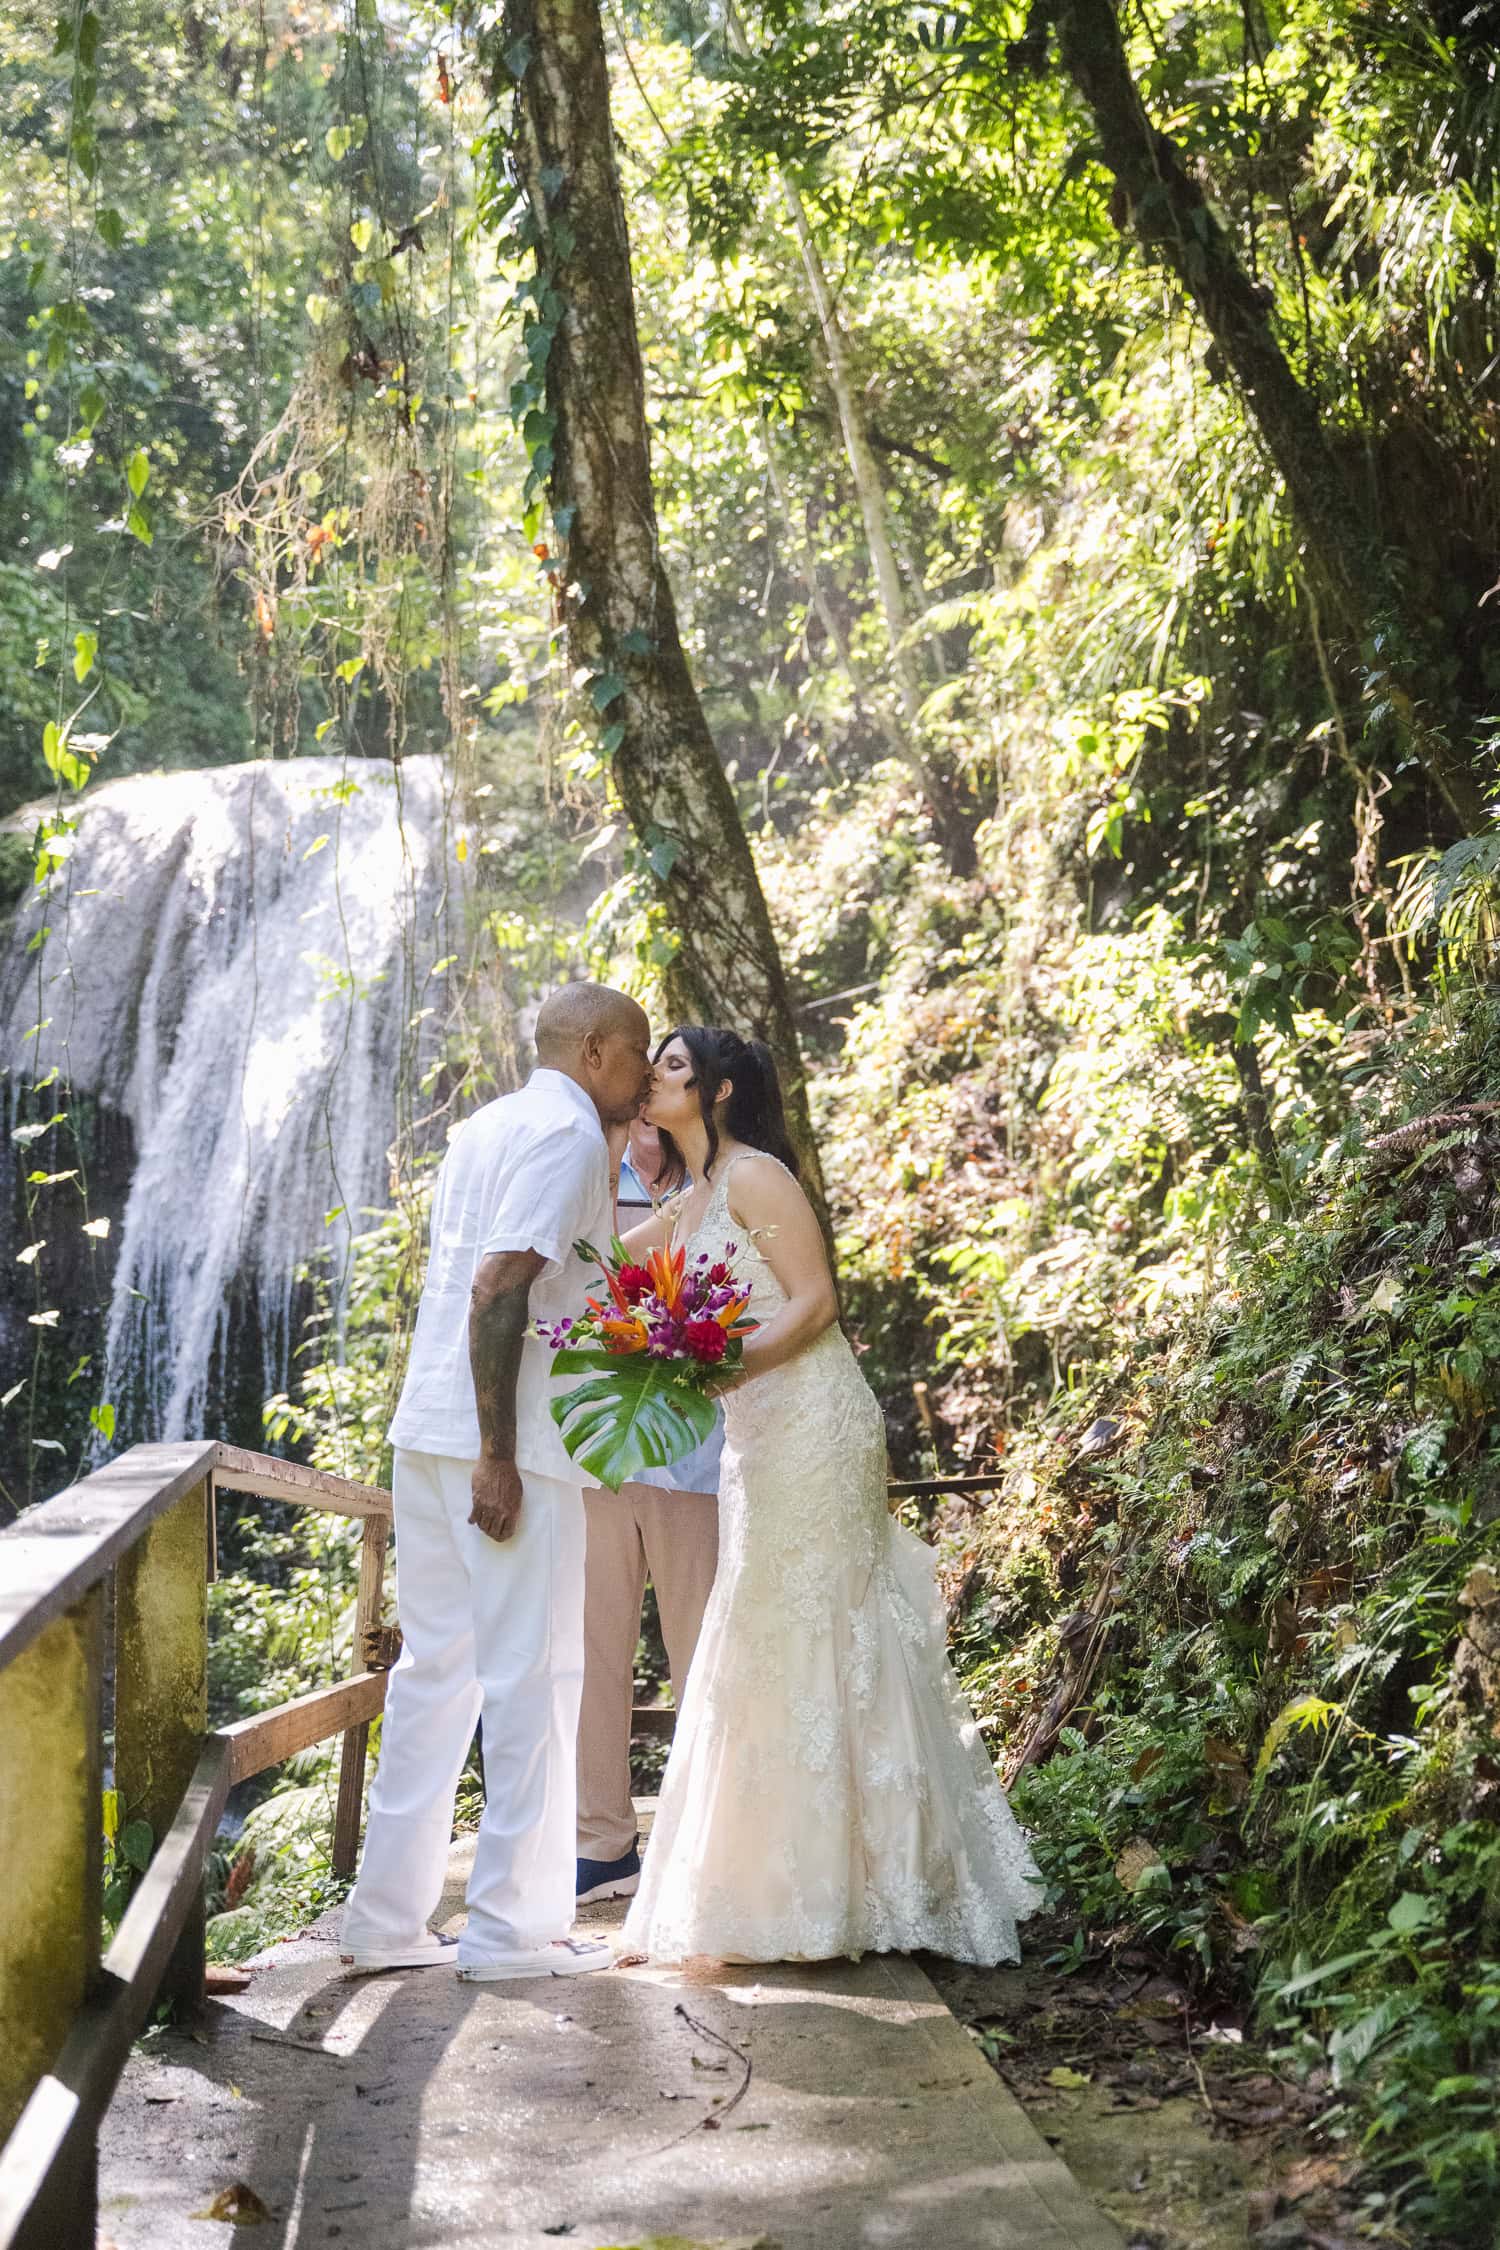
x: 68, y: 2017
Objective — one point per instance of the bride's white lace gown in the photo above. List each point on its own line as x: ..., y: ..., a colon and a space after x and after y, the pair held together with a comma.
x: 828, y: 1791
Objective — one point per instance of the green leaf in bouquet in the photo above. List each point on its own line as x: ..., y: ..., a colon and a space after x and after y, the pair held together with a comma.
x: 631, y: 1414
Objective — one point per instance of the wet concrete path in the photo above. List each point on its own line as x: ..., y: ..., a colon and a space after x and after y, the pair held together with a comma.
x: 794, y: 2108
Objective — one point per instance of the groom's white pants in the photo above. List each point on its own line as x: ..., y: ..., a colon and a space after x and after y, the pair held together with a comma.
x: 491, y: 1627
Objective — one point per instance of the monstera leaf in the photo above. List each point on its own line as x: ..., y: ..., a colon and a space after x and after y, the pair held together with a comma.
x: 630, y: 1415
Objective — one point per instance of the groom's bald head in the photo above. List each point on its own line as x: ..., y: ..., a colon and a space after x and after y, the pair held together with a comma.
x: 601, y: 1039
x: 569, y: 1016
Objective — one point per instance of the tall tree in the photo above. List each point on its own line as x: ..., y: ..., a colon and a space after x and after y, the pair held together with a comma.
x: 620, y: 616
x: 955, y: 832
x: 1174, y: 222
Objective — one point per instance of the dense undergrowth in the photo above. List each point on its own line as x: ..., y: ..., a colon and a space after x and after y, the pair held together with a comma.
x: 1259, y: 1553
x: 1099, y: 1091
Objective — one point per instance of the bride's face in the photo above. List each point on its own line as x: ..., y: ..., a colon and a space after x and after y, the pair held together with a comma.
x: 673, y: 1099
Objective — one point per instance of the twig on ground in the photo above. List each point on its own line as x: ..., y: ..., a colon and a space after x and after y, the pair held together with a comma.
x: 717, y: 2116
x: 1203, y: 2093
x: 307, y: 2046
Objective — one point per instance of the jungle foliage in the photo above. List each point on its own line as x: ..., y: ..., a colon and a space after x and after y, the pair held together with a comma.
x: 1127, y: 853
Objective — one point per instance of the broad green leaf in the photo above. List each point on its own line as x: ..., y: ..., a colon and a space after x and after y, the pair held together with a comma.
x: 1321, y: 1973
x: 112, y: 230
x: 137, y: 473
x: 631, y: 1414
x: 605, y: 690
x: 336, y: 140
x: 138, y: 523
x: 67, y: 766
x: 362, y: 234
x: 102, y: 1417
x: 85, y: 649
x: 134, y: 1845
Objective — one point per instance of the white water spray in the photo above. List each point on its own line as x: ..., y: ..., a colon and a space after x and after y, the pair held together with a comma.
x: 235, y: 972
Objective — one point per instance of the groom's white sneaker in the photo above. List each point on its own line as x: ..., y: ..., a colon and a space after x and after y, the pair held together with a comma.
x: 564, y: 1957
x: 429, y: 1951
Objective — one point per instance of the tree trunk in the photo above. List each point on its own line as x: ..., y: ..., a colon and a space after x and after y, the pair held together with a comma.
x: 1173, y: 222
x: 621, y: 620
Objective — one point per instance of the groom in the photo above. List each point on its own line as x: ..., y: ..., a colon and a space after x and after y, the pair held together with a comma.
x: 490, y: 1524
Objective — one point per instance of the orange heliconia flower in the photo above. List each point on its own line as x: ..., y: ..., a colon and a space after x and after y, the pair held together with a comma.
x: 624, y: 1332
x: 666, y: 1270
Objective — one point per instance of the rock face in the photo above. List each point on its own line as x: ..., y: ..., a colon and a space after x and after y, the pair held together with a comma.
x: 234, y: 983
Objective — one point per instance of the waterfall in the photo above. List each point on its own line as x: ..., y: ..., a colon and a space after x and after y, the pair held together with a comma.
x: 239, y: 970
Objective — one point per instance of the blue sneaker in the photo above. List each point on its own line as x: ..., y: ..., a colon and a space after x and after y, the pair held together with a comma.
x: 609, y: 1878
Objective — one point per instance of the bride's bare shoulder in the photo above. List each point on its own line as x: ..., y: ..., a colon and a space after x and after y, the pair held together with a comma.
x: 759, y: 1186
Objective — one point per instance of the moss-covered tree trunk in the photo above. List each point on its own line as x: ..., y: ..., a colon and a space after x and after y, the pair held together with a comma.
x: 1174, y: 222
x: 621, y: 619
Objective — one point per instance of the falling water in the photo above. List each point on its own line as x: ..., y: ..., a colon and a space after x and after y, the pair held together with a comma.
x: 237, y: 970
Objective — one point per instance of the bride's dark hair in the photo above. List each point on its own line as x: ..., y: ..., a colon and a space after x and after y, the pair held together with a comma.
x: 754, y: 1112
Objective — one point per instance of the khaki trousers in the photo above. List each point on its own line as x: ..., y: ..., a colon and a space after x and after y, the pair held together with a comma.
x: 674, y: 1535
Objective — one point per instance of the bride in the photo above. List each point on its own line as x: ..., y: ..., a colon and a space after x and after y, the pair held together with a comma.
x: 827, y: 1792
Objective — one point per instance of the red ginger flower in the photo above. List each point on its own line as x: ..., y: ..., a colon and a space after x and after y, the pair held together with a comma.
x: 705, y: 1339
x: 632, y: 1283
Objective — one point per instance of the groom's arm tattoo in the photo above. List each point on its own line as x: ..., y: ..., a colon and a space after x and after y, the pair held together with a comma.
x: 498, y: 1308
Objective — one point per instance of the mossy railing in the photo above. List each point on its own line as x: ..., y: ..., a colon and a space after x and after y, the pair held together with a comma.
x: 68, y: 2016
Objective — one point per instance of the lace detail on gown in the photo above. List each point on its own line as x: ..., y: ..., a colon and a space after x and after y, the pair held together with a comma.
x: 828, y: 1790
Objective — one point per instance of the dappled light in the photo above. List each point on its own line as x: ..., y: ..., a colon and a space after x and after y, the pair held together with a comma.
x: 961, y: 544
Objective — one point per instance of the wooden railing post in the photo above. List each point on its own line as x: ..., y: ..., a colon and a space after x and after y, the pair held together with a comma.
x: 161, y: 1692
x: 51, y: 1848
x: 367, y: 1607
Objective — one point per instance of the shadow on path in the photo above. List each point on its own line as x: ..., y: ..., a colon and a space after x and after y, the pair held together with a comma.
x: 413, y: 2112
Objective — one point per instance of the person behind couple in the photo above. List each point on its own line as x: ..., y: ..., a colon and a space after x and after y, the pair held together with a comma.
x: 489, y: 1519
x: 665, y: 1522
x: 827, y: 1791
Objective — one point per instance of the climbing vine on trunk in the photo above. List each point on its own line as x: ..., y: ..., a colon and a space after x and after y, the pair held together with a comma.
x: 1173, y: 221
x: 581, y: 407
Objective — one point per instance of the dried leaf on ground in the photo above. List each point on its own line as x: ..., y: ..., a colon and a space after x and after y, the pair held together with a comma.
x: 237, y: 2204
x: 1136, y: 1862
x: 1314, y: 2173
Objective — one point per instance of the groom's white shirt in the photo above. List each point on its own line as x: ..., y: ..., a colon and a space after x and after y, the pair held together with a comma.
x: 527, y: 1172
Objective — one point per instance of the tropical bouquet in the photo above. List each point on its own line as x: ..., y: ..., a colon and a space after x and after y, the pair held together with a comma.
x: 652, y: 1346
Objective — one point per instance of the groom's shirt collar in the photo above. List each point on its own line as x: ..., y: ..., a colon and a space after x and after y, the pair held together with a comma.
x: 557, y: 1086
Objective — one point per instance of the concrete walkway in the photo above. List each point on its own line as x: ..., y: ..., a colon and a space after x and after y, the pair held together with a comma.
x: 415, y: 2113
